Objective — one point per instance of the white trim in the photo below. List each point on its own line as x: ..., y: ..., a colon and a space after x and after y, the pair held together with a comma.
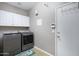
x: 43, y: 51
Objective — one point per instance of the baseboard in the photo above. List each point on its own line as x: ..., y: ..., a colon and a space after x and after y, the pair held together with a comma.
x: 43, y: 51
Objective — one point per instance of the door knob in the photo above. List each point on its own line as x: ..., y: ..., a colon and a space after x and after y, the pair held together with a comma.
x: 58, y: 32
x: 58, y: 36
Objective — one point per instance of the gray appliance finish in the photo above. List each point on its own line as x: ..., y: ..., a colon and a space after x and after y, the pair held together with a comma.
x: 27, y: 40
x: 1, y: 36
x: 11, y: 44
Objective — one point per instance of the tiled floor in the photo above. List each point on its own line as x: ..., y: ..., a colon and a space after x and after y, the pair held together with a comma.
x: 36, y: 52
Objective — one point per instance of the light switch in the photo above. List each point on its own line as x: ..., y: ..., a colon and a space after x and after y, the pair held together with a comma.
x: 39, y: 22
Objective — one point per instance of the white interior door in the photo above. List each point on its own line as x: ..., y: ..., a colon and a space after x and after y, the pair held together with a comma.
x: 68, y: 30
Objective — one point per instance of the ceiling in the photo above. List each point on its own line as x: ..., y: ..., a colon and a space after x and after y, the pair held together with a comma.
x: 23, y: 5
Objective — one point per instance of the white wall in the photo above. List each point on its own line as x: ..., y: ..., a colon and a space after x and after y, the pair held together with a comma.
x: 44, y: 37
x: 10, y: 8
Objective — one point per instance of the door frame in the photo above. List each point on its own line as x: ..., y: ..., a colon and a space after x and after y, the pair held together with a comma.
x: 56, y: 23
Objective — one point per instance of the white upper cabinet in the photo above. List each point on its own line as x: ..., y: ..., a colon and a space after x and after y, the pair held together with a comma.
x: 17, y: 20
x: 25, y: 21
x: 20, y: 20
x: 5, y: 18
x: 13, y: 19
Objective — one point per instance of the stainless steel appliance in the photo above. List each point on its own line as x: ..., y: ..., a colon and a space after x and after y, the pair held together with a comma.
x: 27, y: 40
x: 1, y: 46
x: 11, y: 44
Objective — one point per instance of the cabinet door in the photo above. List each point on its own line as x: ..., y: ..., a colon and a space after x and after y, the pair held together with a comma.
x: 5, y: 18
x: 25, y: 21
x: 17, y: 20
